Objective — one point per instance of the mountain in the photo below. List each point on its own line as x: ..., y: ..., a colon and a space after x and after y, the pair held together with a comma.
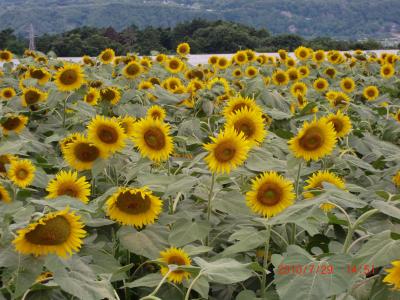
x: 308, y: 18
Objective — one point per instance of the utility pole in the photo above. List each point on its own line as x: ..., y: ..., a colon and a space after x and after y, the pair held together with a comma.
x: 31, y: 38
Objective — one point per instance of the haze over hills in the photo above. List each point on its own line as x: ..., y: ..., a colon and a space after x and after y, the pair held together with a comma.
x: 347, y: 19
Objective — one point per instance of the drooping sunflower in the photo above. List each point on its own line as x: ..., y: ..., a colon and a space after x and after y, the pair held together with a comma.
x: 248, y: 122
x: 156, y: 112
x: 298, y: 88
x: 396, y: 179
x: 314, y: 141
x: 183, y: 49
x: 302, y: 53
x: 371, y: 92
x: 315, y: 181
x: 40, y: 74
x: 341, y: 123
x: 175, y: 256
x: 227, y: 151
x: 59, y: 232
x: 338, y: 99
x: 81, y: 153
x: 134, y: 207
x: 7, y: 93
x: 128, y: 125
x: 282, y: 54
x: 92, y: 96
x: 235, y: 104
x: 6, y: 56
x: 174, y: 65
x: 21, y: 172
x: 347, y: 84
x: 87, y: 60
x: 14, y: 123
x: 4, y: 195
x: 107, y: 56
x: 153, y: 139
x: 69, y: 78
x: 68, y: 183
x: 106, y: 134
x: 220, y: 83
x: 110, y: 94
x: 132, y: 70
x: 270, y: 194
x: 320, y: 84
x: 387, y: 71
x: 31, y: 96
x: 280, y: 77
x: 393, y: 276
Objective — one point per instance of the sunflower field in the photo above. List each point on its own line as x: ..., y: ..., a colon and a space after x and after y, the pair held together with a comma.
x: 251, y: 177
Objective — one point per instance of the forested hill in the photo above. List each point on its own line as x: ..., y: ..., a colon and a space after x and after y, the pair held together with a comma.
x: 308, y: 18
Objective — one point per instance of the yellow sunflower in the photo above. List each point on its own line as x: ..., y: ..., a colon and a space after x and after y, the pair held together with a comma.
x: 371, y: 92
x: 68, y: 139
x: 290, y: 62
x: 14, y: 123
x: 128, y: 125
x: 153, y: 139
x: 132, y: 70
x: 302, y: 53
x: 21, y: 172
x: 106, y: 134
x: 320, y: 84
x: 330, y: 72
x: 87, y: 60
x: 270, y: 194
x: 174, y: 65
x: 393, y: 276
x: 7, y: 93
x: 223, y: 63
x: 280, y: 77
x: 70, y: 77
x: 248, y: 122
x: 219, y: 82
x: 110, y: 94
x: 282, y: 54
x: 6, y: 56
x: 59, y: 232
x: 341, y: 123
x: 40, y: 74
x: 183, y: 49
x: 315, y: 181
x: 156, y: 112
x: 134, y: 207
x: 178, y: 257
x: 227, y: 151
x: 314, y: 141
x: 240, y: 57
x: 298, y: 88
x: 318, y: 56
x: 31, y: 96
x: 251, y: 71
x: 92, y: 96
x: 304, y: 71
x: 68, y: 183
x: 293, y: 74
x: 396, y: 179
x: 107, y: 56
x: 397, y: 116
x: 235, y: 104
x: 4, y: 195
x: 387, y: 71
x: 338, y: 99
x: 5, y: 159
x: 347, y: 84
x: 81, y: 153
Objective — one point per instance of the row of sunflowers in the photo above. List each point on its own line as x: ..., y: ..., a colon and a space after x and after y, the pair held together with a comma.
x: 253, y: 177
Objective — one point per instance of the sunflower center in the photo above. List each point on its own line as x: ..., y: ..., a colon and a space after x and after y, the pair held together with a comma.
x: 4, y: 55
x: 312, y: 139
x: 337, y: 125
x: 7, y: 94
x: 371, y: 93
x: 348, y: 85
x: 245, y: 126
x: 37, y: 74
x: 86, y: 153
x: 320, y: 85
x: 133, y: 204
x: 53, y: 232
x: 108, y: 94
x: 69, y: 77
x: 269, y: 194
x: 154, y: 138
x: 174, y: 64
x: 11, y: 123
x: 31, y: 97
x: 89, y: 98
x: 156, y: 115
x: 386, y: 71
x: 132, y: 69
x: 280, y: 77
x: 224, y: 152
x: 68, y: 190
x: 21, y: 174
x: 106, y: 56
x: 107, y: 134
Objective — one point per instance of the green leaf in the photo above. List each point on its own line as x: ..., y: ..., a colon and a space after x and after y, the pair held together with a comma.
x: 249, y: 242
x: 186, y: 231
x: 386, y: 208
x: 150, y: 280
x: 232, y: 203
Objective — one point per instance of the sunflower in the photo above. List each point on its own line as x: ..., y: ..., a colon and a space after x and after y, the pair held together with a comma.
x: 347, y: 84
x: 302, y: 102
x: 195, y: 85
x: 237, y: 73
x: 174, y: 65
x: 59, y: 232
x: 87, y: 60
x: 227, y: 151
x: 68, y: 183
x: 6, y: 56
x: 371, y: 92
x: 302, y: 53
x: 40, y: 74
x: 240, y: 57
x: 183, y: 49
x: 314, y: 140
x: 132, y: 70
x: 290, y: 62
x: 81, y: 154
x: 330, y: 72
x: 175, y: 256
x: 219, y: 82
x: 106, y: 134
x: 223, y: 63
x: 213, y: 60
x: 315, y: 181
x: 293, y: 74
x: 396, y: 179
x: 110, y: 94
x: 251, y: 71
x: 127, y: 123
x: 156, y: 112
x: 92, y: 96
x: 68, y: 139
x: 160, y: 58
x: 31, y: 96
x: 21, y: 172
x: 280, y: 77
x: 145, y: 85
x: 14, y: 123
x: 341, y: 123
x: 282, y: 54
x: 318, y: 56
x: 397, y: 116
x: 320, y: 84
x: 387, y: 71
x: 304, y: 71
x: 7, y: 93
x: 235, y: 104
x: 152, y: 138
x: 393, y: 276
x: 298, y: 88
x: 5, y: 159
x: 270, y: 194
x: 134, y: 207
x: 70, y: 77
x: 338, y: 99
x: 107, y: 56
x: 4, y: 195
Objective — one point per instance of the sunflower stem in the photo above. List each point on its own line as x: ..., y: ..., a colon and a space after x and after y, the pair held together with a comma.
x: 210, y: 196
x: 293, y: 229
x: 153, y: 293
x: 191, y: 285
x: 265, y: 262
